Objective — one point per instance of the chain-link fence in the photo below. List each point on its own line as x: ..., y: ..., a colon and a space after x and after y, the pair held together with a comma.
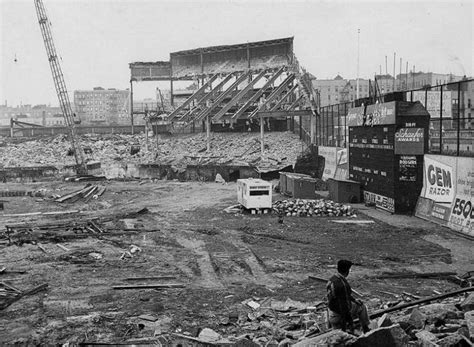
x: 451, y: 107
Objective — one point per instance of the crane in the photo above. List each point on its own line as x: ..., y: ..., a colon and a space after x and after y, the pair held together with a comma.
x: 70, y: 118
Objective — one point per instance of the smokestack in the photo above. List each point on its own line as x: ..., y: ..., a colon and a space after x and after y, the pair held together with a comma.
x: 386, y: 69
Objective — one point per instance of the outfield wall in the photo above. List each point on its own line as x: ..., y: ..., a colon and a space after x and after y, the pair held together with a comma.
x: 447, y: 194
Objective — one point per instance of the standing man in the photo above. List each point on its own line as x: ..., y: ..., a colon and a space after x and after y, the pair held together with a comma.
x: 343, y: 308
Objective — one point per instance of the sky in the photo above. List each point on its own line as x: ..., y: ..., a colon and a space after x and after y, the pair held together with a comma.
x: 97, y: 39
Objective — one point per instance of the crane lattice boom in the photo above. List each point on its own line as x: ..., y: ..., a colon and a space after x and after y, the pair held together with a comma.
x: 69, y: 116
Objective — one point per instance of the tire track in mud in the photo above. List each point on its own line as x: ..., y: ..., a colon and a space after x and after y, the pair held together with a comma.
x: 209, y: 278
x: 254, y: 262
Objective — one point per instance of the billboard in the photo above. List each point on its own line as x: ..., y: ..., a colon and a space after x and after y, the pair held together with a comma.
x: 448, y: 191
x: 410, y: 141
x: 433, y: 102
x: 439, y: 181
x: 330, y: 161
x: 375, y: 114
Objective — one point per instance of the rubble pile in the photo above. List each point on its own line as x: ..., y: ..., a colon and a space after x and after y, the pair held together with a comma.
x: 271, y: 322
x: 281, y: 148
x: 310, y: 208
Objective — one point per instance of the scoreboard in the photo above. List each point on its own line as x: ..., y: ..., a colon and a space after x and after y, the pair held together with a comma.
x: 386, y: 146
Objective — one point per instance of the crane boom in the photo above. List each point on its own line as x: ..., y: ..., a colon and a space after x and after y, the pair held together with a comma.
x: 69, y: 116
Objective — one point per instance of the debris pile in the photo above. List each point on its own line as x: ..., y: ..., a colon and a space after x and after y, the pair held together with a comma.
x: 26, y: 233
x: 281, y: 148
x: 88, y: 192
x: 267, y: 321
x: 309, y: 208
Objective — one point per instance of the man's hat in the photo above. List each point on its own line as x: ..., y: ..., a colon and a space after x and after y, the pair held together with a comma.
x: 344, y: 265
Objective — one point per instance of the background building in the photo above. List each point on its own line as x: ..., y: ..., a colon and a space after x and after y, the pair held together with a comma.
x: 103, y: 106
x: 415, y: 80
x: 340, y: 90
x: 38, y: 114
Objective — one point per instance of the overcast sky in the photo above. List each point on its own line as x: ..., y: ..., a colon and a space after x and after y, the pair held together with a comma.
x: 98, y: 38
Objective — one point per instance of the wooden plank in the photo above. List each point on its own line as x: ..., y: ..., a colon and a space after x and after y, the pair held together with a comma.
x: 348, y: 221
x: 150, y: 286
x: 419, y: 302
x: 150, y: 278
x: 63, y: 247
x: 415, y: 275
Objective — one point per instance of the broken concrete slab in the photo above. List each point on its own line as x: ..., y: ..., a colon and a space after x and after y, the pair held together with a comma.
x: 392, y: 336
x: 384, y: 321
x: 208, y: 335
x: 417, y: 319
x: 426, y: 338
x: 453, y: 340
x: 330, y: 338
x: 440, y: 311
x: 468, y: 303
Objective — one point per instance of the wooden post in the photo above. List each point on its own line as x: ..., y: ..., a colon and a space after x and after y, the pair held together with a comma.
x: 171, y: 92
x: 311, y: 126
x: 146, y: 134
x: 262, y: 146
x: 208, y: 132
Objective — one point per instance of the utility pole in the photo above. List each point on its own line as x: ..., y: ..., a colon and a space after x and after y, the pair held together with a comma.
x: 400, y: 82
x: 358, y: 50
x: 394, y: 57
x: 406, y: 77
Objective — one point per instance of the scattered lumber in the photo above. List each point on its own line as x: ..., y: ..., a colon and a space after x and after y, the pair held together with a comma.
x: 29, y: 214
x: 150, y: 286
x: 414, y: 275
x: 86, y: 193
x: 348, y: 221
x: 11, y: 298
x: 150, y: 278
x: 420, y: 302
x: 64, y: 248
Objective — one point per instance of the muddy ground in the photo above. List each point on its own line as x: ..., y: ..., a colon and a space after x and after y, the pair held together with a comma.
x: 220, y: 258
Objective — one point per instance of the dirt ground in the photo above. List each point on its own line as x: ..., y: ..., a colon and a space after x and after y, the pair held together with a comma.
x: 220, y: 258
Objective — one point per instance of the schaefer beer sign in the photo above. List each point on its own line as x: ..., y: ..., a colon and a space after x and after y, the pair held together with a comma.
x: 439, y: 181
x: 409, y: 141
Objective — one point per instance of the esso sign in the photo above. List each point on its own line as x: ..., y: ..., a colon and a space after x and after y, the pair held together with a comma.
x: 463, y: 207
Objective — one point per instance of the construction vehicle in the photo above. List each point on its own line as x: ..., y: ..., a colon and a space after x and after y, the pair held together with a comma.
x: 70, y: 117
